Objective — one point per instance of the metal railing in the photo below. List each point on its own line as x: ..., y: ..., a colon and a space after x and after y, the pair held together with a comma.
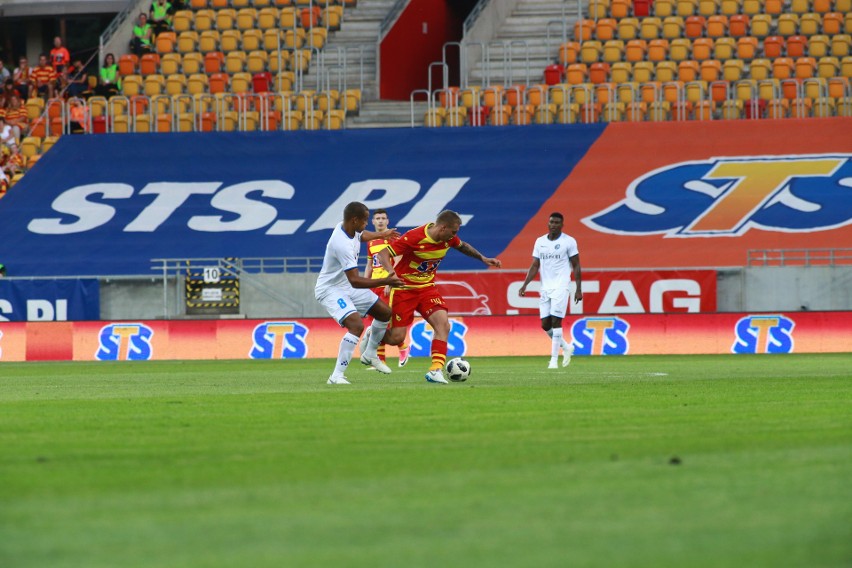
x: 799, y: 257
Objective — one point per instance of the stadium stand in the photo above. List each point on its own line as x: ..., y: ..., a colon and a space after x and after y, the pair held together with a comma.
x: 259, y: 65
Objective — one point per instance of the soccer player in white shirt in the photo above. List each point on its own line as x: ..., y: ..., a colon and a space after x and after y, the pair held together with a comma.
x: 557, y: 256
x: 346, y: 295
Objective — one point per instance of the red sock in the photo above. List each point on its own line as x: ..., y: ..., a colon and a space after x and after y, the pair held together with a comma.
x: 439, y: 354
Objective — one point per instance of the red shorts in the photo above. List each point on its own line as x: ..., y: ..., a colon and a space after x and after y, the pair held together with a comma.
x: 403, y: 303
x: 380, y: 292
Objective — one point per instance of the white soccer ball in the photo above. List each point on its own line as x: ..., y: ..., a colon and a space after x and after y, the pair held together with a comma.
x: 458, y: 370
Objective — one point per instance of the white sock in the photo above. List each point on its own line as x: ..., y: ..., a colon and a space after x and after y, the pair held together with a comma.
x: 556, y: 342
x: 344, y: 354
x: 377, y: 333
x: 565, y: 344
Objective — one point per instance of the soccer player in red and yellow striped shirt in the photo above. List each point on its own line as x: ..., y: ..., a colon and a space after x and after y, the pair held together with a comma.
x: 376, y: 270
x: 422, y: 250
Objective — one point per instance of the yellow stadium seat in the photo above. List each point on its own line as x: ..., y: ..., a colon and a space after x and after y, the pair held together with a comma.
x: 226, y: 19
x: 176, y: 84
x: 252, y: 40
x: 732, y: 70
x: 154, y: 85
x: 182, y: 21
x: 827, y: 67
x: 810, y: 24
x: 761, y: 25
x: 246, y: 18
x: 235, y: 61
x: 287, y: 18
x: 628, y: 28
x: 197, y: 84
x: 686, y: 8
x: 841, y: 45
x: 294, y: 38
x: 231, y: 40
x: 267, y: 18
x: 613, y: 51
x: 673, y: 27
x: 170, y: 63
x: 650, y: 28
x: 724, y: 48
x: 730, y: 7
x: 590, y: 51
x: 708, y: 8
x: 208, y: 41
x: 317, y: 37
x: 760, y: 69
x: 622, y: 72
x: 788, y: 24
x: 131, y: 85
x: 257, y: 61
x: 204, y: 20
x: 666, y: 71
x: 664, y: 8
x: 192, y: 63
x: 680, y: 49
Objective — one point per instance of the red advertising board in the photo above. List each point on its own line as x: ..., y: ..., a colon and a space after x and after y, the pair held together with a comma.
x: 471, y: 336
x: 618, y: 292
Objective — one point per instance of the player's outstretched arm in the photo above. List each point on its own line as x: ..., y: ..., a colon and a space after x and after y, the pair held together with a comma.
x: 358, y: 281
x: 468, y: 250
x: 536, y: 263
x: 389, y: 234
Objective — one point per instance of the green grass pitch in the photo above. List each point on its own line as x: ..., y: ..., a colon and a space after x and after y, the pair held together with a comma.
x: 701, y: 461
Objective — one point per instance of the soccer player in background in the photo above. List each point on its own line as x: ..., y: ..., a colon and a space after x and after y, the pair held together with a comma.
x: 346, y: 295
x: 376, y: 270
x: 422, y: 250
x: 557, y: 255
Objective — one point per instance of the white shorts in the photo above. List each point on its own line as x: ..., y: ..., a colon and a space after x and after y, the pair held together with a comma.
x: 553, y: 303
x: 340, y: 303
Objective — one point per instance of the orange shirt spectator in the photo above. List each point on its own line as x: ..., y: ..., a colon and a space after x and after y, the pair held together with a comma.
x: 59, y: 56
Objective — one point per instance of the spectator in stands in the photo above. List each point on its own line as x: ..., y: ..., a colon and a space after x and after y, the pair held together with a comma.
x: 7, y: 93
x: 16, y: 117
x: 2, y: 270
x: 110, y: 81
x: 7, y: 136
x: 4, y: 73
x: 161, y: 19
x: 44, y: 77
x: 76, y: 80
x: 59, y: 56
x: 141, y: 42
x: 22, y: 79
x: 78, y: 114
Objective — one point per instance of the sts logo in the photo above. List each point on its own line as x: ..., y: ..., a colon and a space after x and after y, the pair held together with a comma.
x: 125, y: 342
x: 421, y: 339
x: 726, y: 197
x: 600, y: 336
x: 764, y: 334
x: 279, y: 340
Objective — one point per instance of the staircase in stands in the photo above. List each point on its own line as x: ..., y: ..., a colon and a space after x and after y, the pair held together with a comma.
x: 526, y: 43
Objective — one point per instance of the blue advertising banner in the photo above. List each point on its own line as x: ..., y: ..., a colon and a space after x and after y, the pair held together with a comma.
x: 50, y: 300
x: 108, y: 204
